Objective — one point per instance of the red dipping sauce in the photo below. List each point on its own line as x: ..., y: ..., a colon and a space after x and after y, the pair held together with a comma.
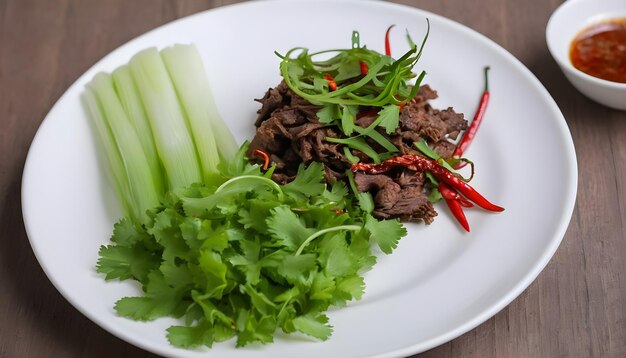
x: 600, y: 50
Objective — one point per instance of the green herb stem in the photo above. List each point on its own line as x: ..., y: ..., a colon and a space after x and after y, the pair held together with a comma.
x: 325, y: 231
x: 265, y: 180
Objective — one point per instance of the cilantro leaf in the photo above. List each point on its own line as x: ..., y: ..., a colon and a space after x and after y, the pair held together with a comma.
x: 253, y: 216
x: 287, y: 228
x: 297, y: 269
x: 337, y: 193
x: 308, y: 181
x: 215, y: 272
x: 191, y: 336
x: 160, y: 300
x: 348, y: 115
x: 257, y: 330
x: 248, y: 261
x: 353, y: 286
x: 126, y: 233
x: 315, y: 325
x: 335, y: 257
x: 166, y: 232
x: 328, y: 113
x: 121, y: 262
x: 386, y: 233
x: 390, y: 116
x: 323, y: 287
x: 211, y: 313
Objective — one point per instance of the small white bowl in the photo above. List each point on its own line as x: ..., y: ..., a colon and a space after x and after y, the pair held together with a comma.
x: 565, y: 23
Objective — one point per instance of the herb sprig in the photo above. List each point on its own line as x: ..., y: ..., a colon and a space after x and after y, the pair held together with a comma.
x: 245, y: 257
x: 352, y: 79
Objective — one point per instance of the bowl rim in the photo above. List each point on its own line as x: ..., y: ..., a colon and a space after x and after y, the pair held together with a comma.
x: 567, y: 65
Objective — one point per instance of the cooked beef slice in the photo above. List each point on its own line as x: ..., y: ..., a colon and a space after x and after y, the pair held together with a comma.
x: 289, y: 131
x: 402, y: 197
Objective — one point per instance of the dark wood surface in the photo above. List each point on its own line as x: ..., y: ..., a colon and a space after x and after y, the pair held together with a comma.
x: 575, y: 308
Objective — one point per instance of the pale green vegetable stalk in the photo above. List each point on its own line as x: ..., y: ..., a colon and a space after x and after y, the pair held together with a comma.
x: 143, y: 191
x: 174, y: 143
x: 129, y: 97
x: 190, y: 80
x: 187, y: 74
x: 113, y: 158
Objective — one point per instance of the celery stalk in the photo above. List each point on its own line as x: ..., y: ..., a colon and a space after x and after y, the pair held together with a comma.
x: 139, y: 176
x: 190, y: 80
x: 113, y: 159
x: 191, y: 86
x: 171, y: 134
x: 129, y: 98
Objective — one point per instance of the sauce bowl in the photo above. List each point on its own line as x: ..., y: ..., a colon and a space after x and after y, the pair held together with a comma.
x: 565, y: 23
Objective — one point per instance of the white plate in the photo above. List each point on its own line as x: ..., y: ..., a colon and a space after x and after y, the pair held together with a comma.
x: 438, y: 284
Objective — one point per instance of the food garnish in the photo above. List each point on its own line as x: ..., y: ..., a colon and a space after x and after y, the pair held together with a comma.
x: 353, y: 78
x: 469, y: 135
x: 246, y: 257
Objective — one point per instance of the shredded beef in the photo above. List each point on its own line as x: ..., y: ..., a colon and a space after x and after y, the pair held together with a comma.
x: 289, y: 130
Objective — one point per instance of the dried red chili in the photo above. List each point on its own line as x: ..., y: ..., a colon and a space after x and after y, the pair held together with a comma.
x: 457, y: 211
x: 387, y: 44
x: 469, y: 135
x: 332, y: 85
x: 266, y: 158
x: 364, y: 67
x: 419, y: 163
x: 449, y: 194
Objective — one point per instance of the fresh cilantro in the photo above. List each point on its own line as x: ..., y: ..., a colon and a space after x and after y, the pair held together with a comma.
x: 287, y: 228
x: 243, y: 257
x: 315, y: 325
x: 386, y: 233
x: 347, y: 119
x: 308, y: 181
x: 328, y: 113
x: 389, y: 115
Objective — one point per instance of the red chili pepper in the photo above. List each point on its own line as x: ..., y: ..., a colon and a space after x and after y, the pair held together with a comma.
x: 473, y: 128
x: 266, y: 158
x: 457, y: 211
x: 449, y: 194
x: 387, y: 45
x: 332, y: 85
x: 419, y: 163
x: 364, y: 67
x: 455, y: 203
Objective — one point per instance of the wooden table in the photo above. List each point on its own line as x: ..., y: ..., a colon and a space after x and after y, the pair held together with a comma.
x: 575, y: 308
